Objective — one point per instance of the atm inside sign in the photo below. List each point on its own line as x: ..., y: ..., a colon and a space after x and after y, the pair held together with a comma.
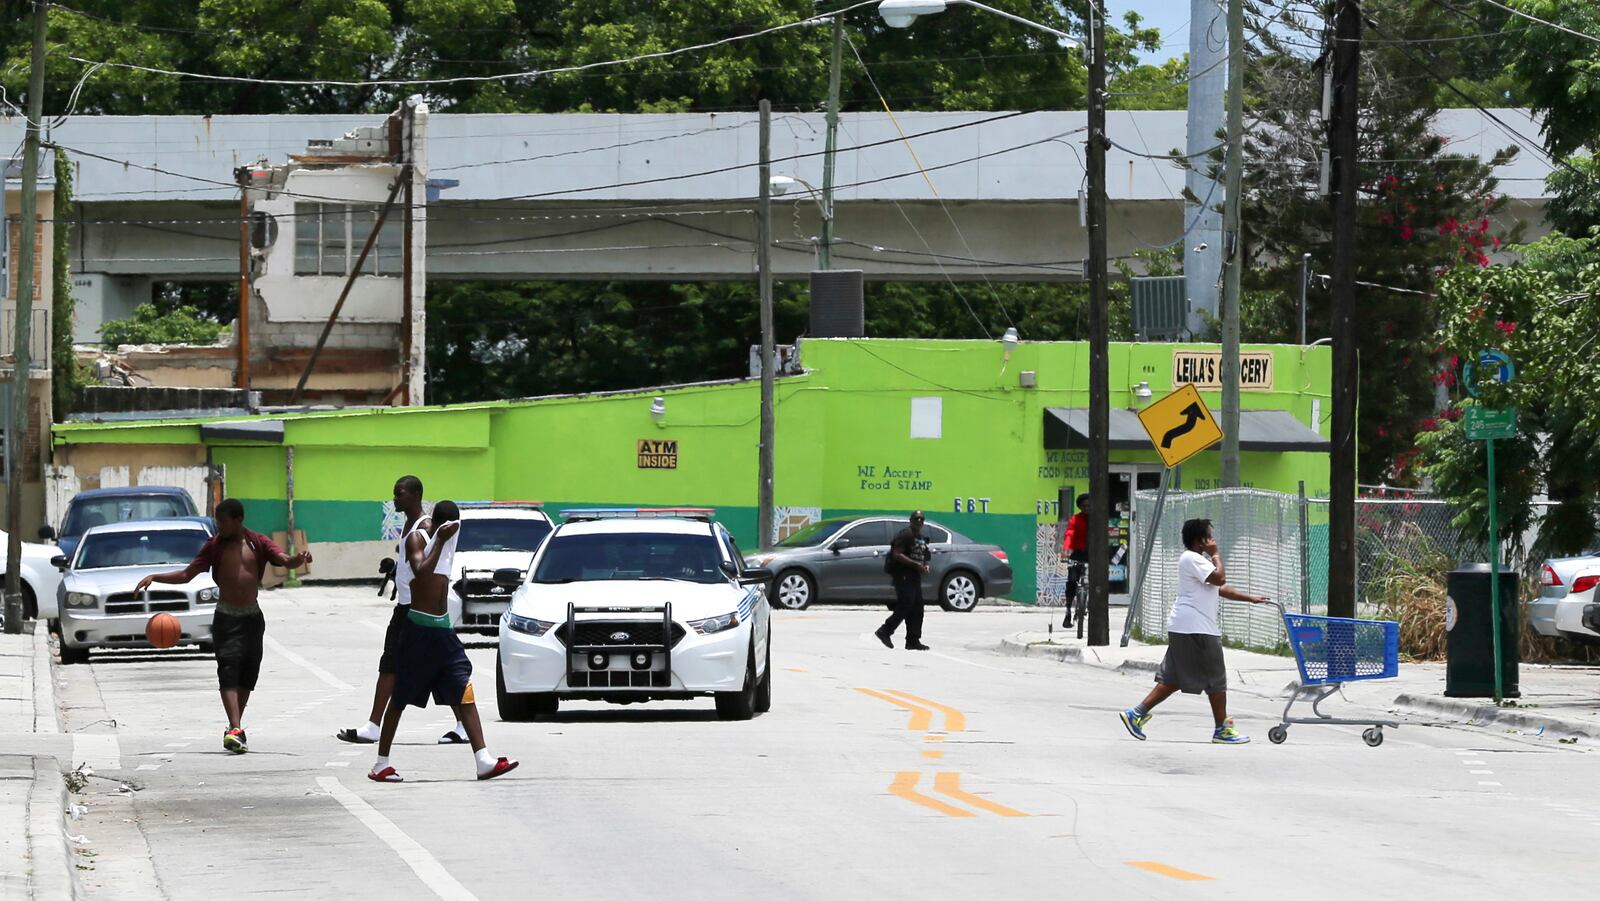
x: 658, y: 454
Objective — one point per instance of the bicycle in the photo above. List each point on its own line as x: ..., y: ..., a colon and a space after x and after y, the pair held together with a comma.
x: 1077, y: 601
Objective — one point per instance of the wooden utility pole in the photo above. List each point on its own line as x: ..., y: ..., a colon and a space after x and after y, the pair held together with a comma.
x: 27, y: 252
x: 242, y: 367
x: 1343, y: 147
x: 764, y: 514
x: 1233, y: 247
x: 1099, y: 354
x: 825, y: 252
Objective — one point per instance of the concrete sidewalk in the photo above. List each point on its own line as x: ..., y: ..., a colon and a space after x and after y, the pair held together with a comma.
x: 35, y: 860
x: 1561, y: 702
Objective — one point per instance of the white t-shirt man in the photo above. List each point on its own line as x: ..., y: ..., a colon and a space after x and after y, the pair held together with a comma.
x: 1195, y: 612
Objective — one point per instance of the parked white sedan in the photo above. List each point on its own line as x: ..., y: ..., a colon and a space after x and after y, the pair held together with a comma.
x: 99, y: 607
x: 41, y: 581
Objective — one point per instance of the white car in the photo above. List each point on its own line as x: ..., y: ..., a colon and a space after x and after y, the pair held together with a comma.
x: 1569, y: 609
x: 494, y: 536
x: 99, y: 608
x: 636, y: 605
x: 41, y: 580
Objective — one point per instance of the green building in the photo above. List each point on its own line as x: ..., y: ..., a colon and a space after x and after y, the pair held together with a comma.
x: 985, y: 440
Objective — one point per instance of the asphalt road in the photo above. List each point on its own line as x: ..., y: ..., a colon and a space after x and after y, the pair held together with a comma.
x: 956, y: 773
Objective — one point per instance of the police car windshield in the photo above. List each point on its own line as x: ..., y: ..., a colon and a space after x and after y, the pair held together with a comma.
x: 502, y: 534
x: 814, y: 534
x: 167, y: 547
x: 624, y: 556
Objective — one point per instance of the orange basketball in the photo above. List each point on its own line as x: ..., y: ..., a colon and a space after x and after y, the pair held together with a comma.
x: 163, y: 630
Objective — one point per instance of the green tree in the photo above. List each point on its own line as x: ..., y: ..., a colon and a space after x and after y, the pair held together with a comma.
x: 1152, y: 87
x: 1542, y: 313
x: 65, y: 373
x: 151, y: 324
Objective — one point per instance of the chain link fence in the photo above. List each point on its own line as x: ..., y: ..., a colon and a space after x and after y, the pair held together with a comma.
x: 1277, y: 544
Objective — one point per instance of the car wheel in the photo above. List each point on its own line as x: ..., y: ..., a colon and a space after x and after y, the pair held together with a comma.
x: 960, y: 591
x: 741, y: 704
x: 30, y: 605
x: 71, y: 655
x: 793, y: 590
x: 521, y: 707
x: 764, y: 687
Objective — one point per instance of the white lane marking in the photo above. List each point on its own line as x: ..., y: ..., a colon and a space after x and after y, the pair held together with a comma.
x: 179, y: 744
x: 428, y: 869
x: 967, y: 662
x: 1496, y: 784
x: 149, y: 766
x: 1472, y: 763
x: 327, y: 677
x: 1480, y: 772
x: 99, y: 750
x: 337, y: 763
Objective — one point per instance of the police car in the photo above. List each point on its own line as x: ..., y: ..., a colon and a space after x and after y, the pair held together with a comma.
x: 629, y: 605
x: 495, y: 535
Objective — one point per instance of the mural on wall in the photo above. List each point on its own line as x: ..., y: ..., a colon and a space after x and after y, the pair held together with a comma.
x: 1050, y: 584
x: 788, y: 520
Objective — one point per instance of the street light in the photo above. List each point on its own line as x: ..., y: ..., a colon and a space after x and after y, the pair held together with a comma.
x: 901, y: 13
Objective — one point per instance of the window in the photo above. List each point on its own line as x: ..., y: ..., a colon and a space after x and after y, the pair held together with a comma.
x: 87, y: 513
x: 934, y: 534
x: 502, y: 534
x: 869, y: 534
x: 627, y: 556
x: 814, y: 534
x: 328, y: 238
x: 154, y: 548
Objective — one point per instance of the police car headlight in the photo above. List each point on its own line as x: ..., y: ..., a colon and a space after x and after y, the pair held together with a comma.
x: 82, y: 599
x: 207, y: 596
x: 527, y: 625
x: 715, y: 624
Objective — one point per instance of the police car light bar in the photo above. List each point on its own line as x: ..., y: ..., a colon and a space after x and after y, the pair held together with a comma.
x: 703, y: 514
x: 526, y: 505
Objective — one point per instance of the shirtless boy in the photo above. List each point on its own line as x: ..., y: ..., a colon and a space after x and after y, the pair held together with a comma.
x: 237, y: 559
x: 431, y: 661
x: 408, y: 501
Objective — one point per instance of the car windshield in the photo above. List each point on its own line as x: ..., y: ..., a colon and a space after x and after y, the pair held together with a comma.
x: 88, y: 513
x: 814, y: 534
x: 165, y: 547
x: 630, y: 555
x: 502, y: 534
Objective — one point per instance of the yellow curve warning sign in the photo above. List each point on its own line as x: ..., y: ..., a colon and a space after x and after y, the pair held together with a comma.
x: 1180, y: 426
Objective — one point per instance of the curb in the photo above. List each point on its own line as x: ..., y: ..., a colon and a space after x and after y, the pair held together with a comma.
x: 44, y: 683
x: 1474, y: 714
x: 51, y: 873
x: 1011, y: 646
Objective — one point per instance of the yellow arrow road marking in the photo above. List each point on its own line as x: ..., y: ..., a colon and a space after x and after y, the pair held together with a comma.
x: 1161, y: 869
x: 921, y: 717
x: 905, y: 786
x: 949, y: 783
x: 954, y: 720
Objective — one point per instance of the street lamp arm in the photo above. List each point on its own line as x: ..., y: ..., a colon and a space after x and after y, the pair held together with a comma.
x: 1019, y: 20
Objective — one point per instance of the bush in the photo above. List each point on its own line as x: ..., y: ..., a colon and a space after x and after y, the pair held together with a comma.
x: 149, y: 325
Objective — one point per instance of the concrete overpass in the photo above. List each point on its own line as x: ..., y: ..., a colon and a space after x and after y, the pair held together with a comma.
x: 968, y: 196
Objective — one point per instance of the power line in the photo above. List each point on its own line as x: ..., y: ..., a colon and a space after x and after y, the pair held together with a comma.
x: 1532, y: 18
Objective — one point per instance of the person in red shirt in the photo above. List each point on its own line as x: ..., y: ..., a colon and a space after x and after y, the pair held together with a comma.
x: 237, y: 558
x: 1075, y: 547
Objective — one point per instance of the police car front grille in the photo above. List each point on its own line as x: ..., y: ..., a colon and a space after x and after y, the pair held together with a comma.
x: 482, y: 590
x: 619, y: 633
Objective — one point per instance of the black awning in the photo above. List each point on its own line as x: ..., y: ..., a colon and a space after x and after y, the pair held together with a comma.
x: 266, y: 430
x: 1270, y: 431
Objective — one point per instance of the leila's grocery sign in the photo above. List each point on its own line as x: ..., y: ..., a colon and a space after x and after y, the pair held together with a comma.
x: 1203, y: 369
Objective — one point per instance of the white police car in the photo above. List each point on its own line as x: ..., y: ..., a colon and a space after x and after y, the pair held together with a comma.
x: 629, y: 605
x: 494, y: 536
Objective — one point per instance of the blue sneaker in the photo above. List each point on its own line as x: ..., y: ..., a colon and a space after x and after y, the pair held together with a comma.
x: 1225, y: 734
x: 1134, y: 721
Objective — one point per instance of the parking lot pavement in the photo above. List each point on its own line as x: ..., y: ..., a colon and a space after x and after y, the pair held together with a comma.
x: 881, y: 774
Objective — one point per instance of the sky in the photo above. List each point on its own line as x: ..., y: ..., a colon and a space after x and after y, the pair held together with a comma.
x: 1171, y: 16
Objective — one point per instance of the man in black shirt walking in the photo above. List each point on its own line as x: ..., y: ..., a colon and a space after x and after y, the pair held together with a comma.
x: 907, y: 564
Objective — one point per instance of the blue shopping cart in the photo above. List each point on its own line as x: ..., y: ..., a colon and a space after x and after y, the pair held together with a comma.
x: 1330, y: 651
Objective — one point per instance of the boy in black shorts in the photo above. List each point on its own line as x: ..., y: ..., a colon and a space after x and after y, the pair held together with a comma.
x: 431, y: 661
x: 237, y: 559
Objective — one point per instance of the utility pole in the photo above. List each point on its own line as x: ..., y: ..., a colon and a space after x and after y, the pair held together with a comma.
x: 1305, y: 289
x: 27, y: 252
x: 768, y: 352
x: 1099, y: 366
x: 1343, y: 144
x: 242, y: 367
x: 825, y: 252
x: 1233, y: 247
x: 1202, y: 219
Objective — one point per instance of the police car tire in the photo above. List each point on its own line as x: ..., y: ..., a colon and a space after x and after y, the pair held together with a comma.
x: 520, y: 707
x: 741, y: 704
x: 764, y: 687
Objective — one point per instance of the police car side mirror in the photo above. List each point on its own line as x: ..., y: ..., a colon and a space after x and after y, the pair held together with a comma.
x: 841, y: 544
x: 508, y: 578
x: 757, y: 576
x: 386, y: 566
